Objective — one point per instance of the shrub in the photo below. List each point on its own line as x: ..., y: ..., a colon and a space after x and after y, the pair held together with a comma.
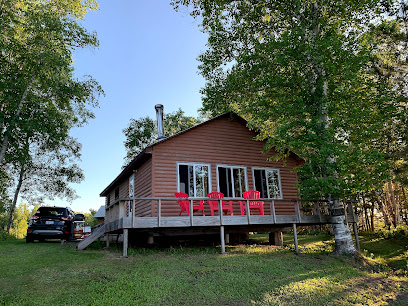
x: 6, y: 236
x: 399, y: 232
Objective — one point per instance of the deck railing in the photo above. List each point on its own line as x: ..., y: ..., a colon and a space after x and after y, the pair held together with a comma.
x: 120, y: 217
x: 125, y: 208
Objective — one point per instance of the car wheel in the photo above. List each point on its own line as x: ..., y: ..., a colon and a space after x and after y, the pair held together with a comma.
x: 29, y: 239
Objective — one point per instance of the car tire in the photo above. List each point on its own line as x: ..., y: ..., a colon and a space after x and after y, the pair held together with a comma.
x: 29, y: 239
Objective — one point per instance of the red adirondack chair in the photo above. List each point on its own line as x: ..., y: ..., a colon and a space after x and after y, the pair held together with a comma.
x: 226, y: 205
x: 185, y: 206
x: 251, y: 194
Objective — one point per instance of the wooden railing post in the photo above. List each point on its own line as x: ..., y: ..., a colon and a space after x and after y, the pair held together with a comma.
x: 297, y: 210
x: 247, y: 211
x: 190, y: 207
x: 133, y: 212
x: 273, y: 211
x: 120, y: 214
x: 220, y: 214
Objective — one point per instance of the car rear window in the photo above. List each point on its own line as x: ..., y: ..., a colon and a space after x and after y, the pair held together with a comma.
x: 51, y: 211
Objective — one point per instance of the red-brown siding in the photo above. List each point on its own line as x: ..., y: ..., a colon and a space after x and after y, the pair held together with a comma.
x: 220, y: 141
x: 143, y: 188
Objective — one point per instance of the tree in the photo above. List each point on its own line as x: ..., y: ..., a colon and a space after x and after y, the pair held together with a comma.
x: 90, y: 219
x: 302, y: 73
x: 142, y: 132
x: 20, y: 223
x: 36, y: 42
x: 46, y: 173
x: 40, y: 99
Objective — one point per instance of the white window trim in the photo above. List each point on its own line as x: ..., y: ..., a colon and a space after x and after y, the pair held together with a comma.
x: 131, y: 185
x: 232, y: 167
x: 194, y: 179
x: 279, y: 179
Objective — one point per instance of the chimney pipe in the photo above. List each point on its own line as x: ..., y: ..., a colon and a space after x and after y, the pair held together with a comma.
x: 159, y: 117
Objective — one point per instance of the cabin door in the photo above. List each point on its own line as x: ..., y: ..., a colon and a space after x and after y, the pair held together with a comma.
x: 131, y: 194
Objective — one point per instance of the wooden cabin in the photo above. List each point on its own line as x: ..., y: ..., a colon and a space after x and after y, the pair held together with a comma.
x: 217, y: 155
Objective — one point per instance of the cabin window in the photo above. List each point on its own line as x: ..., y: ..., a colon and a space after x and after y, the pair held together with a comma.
x: 267, y: 182
x: 117, y: 193
x: 232, y: 180
x: 108, y: 200
x: 194, y: 179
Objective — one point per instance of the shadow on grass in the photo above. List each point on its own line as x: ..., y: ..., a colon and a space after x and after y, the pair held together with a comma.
x: 248, y: 274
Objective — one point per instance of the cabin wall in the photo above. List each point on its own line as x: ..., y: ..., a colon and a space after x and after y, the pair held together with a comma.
x: 220, y: 141
x: 143, y: 188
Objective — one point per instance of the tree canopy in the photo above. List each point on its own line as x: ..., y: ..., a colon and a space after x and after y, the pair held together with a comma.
x: 315, y: 78
x: 40, y: 98
x: 310, y: 76
x: 142, y: 132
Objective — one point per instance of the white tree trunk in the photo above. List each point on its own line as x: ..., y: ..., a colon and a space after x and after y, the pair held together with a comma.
x: 342, y: 235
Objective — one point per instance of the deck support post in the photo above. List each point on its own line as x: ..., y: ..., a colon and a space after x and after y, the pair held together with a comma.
x: 222, y: 239
x: 150, y: 239
x: 125, y: 242
x: 227, y: 239
x: 276, y: 238
x: 295, y: 239
x: 107, y: 240
x: 355, y: 229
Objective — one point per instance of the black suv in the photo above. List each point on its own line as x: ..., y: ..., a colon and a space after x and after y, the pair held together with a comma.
x: 52, y: 223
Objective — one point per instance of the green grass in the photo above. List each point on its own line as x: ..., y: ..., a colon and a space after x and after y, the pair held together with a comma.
x: 49, y: 273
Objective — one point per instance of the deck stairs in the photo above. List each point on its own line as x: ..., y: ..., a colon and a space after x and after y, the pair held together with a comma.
x: 97, y: 233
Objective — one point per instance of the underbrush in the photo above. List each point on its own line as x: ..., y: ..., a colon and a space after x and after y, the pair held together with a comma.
x: 400, y: 232
x: 4, y: 236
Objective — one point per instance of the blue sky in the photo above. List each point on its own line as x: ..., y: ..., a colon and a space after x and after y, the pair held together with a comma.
x: 147, y: 56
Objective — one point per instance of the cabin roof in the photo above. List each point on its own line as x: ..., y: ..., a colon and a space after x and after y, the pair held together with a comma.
x: 100, y: 213
x: 146, y: 153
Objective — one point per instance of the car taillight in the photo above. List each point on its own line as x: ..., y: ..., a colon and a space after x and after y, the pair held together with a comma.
x: 29, y: 231
x: 69, y: 218
x: 34, y: 217
x: 66, y: 232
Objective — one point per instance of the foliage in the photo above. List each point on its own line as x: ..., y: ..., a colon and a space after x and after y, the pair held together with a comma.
x: 399, y: 232
x: 90, y: 219
x: 306, y: 75
x: 142, y: 132
x: 4, y: 236
x: 40, y: 99
x: 249, y: 275
x: 20, y: 223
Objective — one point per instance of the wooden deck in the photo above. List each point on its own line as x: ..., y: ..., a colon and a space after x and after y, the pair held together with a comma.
x: 316, y: 215
x: 120, y: 219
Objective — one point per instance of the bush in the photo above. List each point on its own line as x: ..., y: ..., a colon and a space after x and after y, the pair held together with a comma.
x: 6, y: 236
x: 399, y: 232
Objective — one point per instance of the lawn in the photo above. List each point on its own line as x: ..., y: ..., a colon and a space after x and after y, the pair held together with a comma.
x: 49, y: 273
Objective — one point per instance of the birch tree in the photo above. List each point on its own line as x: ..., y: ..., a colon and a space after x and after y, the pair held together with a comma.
x: 36, y: 43
x: 302, y: 73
